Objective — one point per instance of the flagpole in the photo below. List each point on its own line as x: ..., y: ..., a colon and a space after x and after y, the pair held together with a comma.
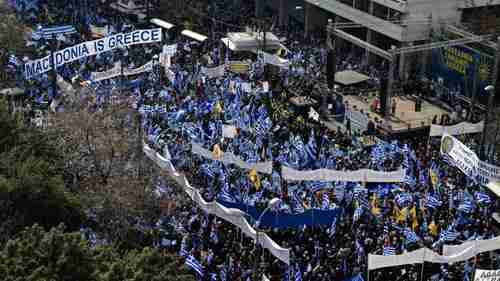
x: 423, y: 265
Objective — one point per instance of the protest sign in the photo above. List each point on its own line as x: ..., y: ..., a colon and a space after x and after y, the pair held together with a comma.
x: 90, y: 48
x: 487, y: 275
x: 117, y: 71
x: 467, y: 161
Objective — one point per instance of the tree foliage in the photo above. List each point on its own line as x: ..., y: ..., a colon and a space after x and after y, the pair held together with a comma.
x: 38, y: 255
x: 31, y: 185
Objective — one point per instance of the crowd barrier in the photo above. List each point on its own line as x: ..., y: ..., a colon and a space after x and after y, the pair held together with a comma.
x: 362, y: 175
x: 285, y: 220
x: 451, y: 254
x: 234, y: 216
x: 229, y: 158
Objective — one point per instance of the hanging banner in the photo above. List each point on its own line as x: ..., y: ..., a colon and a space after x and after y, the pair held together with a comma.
x: 234, y: 216
x: 116, y: 71
x: 91, y: 48
x: 362, y: 175
x: 467, y: 161
x: 229, y: 158
x: 458, y: 129
x: 487, y: 275
x: 104, y: 75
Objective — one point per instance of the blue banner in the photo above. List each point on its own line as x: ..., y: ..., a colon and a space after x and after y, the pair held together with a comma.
x: 286, y: 220
x: 456, y: 67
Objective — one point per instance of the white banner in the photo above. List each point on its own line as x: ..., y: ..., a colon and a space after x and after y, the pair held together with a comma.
x: 229, y: 158
x: 363, y: 175
x: 116, y: 71
x: 467, y: 161
x: 458, y: 129
x: 487, y: 275
x: 214, y: 72
x: 451, y: 254
x: 108, y: 74
x: 91, y: 48
x: 234, y: 216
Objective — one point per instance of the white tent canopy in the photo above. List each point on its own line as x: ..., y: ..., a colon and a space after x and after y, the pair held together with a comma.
x: 194, y: 35
x: 250, y: 41
x: 350, y: 77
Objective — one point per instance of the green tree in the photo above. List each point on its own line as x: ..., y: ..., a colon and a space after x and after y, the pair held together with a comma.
x: 31, y: 185
x: 38, y: 255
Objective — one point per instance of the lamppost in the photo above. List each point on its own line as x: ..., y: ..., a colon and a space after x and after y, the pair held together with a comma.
x: 491, y: 92
x: 272, y: 204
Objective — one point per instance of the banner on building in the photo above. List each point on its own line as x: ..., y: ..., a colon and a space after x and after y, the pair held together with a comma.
x: 467, y: 161
x: 487, y: 275
x: 90, y: 48
x: 458, y: 129
x: 456, y: 67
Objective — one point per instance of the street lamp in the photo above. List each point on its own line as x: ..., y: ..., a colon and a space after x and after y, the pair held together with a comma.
x: 491, y: 92
x: 272, y: 204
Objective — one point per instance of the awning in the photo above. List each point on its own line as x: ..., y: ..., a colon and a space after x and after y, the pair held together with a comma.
x: 350, y: 77
x: 194, y: 35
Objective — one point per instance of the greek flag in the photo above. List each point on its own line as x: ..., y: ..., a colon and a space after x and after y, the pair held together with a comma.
x: 466, y: 206
x: 298, y: 275
x: 448, y: 235
x: 225, y: 195
x: 403, y: 199
x: 482, y: 198
x: 410, y: 236
x: 207, y: 170
x: 183, y: 252
x: 433, y: 202
x: 195, y: 265
x: 53, y: 32
x: 389, y: 251
x: 357, y: 214
x: 333, y: 228
x: 326, y: 201
x: 13, y: 61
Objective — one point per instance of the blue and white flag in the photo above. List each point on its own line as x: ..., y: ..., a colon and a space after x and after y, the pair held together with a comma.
x: 13, y: 61
x: 54, y: 32
x: 195, y: 265
x: 433, y: 202
x: 389, y: 251
x: 326, y: 201
x: 482, y: 198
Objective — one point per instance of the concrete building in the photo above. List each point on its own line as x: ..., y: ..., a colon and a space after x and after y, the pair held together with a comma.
x: 383, y: 23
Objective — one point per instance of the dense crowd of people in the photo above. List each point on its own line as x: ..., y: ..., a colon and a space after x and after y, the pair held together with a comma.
x: 181, y: 107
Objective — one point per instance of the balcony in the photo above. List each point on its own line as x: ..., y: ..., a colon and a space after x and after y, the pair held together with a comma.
x: 466, y: 4
x: 394, y: 31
